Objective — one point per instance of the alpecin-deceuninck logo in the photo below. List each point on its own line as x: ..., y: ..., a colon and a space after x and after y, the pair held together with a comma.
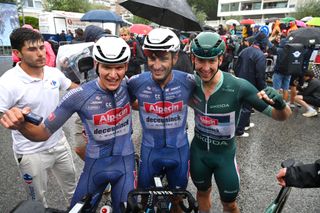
x: 163, y: 109
x: 27, y: 178
x: 112, y: 117
x: 207, y: 121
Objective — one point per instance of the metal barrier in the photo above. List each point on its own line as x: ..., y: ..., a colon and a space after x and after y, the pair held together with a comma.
x: 4, y: 50
x: 5, y: 58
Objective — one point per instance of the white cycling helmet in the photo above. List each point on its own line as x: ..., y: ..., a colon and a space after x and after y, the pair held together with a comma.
x: 161, y: 39
x: 111, y: 50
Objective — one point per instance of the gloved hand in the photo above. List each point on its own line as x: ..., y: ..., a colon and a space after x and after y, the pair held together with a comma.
x: 278, y: 102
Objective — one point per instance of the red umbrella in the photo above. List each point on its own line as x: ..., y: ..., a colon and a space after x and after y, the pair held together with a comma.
x: 140, y: 29
x: 247, y: 21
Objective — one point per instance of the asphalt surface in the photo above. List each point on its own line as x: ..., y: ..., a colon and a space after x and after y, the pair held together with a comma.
x: 259, y: 158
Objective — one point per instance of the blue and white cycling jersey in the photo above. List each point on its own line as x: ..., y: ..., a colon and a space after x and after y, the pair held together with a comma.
x: 106, y: 116
x: 163, y: 111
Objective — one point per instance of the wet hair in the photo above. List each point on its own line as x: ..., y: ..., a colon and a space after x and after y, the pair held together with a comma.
x: 19, y: 36
x: 125, y: 30
x: 79, y: 32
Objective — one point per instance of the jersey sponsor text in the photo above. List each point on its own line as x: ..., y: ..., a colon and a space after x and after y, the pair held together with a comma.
x: 163, y: 109
x: 112, y: 117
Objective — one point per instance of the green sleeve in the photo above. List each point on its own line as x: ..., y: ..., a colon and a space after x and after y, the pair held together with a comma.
x: 248, y: 95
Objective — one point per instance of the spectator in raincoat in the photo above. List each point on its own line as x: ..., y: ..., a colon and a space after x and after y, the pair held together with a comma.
x: 276, y: 29
x: 293, y: 26
x: 246, y: 31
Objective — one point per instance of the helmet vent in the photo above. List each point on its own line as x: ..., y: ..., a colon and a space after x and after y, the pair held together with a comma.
x: 163, y: 41
x: 197, y: 43
x: 104, y: 56
x: 217, y: 43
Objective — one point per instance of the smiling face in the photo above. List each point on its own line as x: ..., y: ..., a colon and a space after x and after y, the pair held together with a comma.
x: 160, y: 64
x: 207, y: 68
x: 111, y: 75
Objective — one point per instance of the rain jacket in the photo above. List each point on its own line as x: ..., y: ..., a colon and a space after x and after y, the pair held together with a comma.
x: 251, y: 65
x: 280, y: 55
x: 304, y: 176
x: 276, y: 28
x: 93, y: 33
x: 293, y: 27
x: 137, y: 58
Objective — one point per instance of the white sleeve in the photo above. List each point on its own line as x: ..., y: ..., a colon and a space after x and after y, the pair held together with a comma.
x: 65, y: 82
x: 7, y: 95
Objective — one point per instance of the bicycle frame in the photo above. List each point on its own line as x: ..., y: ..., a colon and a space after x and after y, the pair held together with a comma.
x: 277, y: 205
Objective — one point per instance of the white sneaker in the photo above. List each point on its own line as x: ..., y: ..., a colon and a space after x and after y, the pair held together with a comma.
x: 310, y: 113
x: 244, y: 135
x: 248, y: 127
x: 292, y: 105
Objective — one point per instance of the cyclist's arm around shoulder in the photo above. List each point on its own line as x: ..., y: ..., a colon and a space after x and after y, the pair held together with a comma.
x: 73, y: 85
x: 133, y: 85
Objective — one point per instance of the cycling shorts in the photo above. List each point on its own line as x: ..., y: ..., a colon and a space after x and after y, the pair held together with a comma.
x: 221, y: 163
x: 97, y: 173
x: 171, y: 162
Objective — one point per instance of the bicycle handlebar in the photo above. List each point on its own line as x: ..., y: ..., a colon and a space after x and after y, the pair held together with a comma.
x: 156, y: 192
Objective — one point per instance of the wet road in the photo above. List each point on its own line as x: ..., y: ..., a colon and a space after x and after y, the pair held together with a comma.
x: 259, y: 158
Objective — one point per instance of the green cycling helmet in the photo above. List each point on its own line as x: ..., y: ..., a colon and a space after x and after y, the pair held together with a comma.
x: 208, y: 45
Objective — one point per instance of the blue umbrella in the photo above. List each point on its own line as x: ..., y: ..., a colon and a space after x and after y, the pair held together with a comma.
x: 101, y: 16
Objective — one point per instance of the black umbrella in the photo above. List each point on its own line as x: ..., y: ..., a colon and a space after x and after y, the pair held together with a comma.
x: 171, y: 13
x: 101, y: 16
x: 306, y: 36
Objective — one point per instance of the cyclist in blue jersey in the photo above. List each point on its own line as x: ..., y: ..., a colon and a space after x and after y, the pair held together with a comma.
x: 104, y: 108
x: 163, y: 96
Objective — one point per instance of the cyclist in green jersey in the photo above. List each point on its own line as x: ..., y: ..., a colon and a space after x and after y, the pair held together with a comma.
x: 217, y: 102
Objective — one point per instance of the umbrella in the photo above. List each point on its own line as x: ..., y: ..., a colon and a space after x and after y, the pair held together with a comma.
x: 232, y: 21
x: 101, y: 16
x: 306, y: 36
x: 208, y: 28
x: 140, y: 29
x: 171, y: 13
x: 315, y: 21
x: 287, y: 19
x: 300, y: 23
x: 272, y: 19
x: 247, y: 21
x: 307, y: 18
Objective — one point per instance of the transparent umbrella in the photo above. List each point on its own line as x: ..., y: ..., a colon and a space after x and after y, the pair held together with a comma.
x: 232, y: 21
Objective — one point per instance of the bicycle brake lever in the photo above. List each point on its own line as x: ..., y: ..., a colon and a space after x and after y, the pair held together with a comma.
x: 288, y: 163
